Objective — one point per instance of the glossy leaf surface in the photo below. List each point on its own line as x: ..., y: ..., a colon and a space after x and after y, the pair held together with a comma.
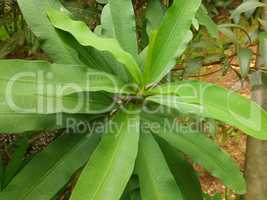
x: 87, y: 38
x: 50, y: 170
x: 171, y: 39
x: 156, y: 180
x: 123, y: 18
x: 203, y: 151
x: 35, y: 15
x: 111, y: 165
x: 212, y: 101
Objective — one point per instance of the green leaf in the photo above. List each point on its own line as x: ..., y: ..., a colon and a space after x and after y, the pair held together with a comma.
x: 80, y: 103
x: 209, y: 100
x: 31, y: 87
x: 185, y: 175
x: 245, y: 7
x: 171, y: 39
x: 202, y: 151
x: 248, y: 14
x: 35, y: 15
x: 154, y: 14
x: 50, y: 170
x: 95, y: 59
x: 35, y: 77
x: 156, y: 180
x: 87, y: 38
x: 111, y: 165
x: 244, y: 56
x: 16, y: 161
x: 107, y: 25
x: 123, y: 17
x: 14, y: 122
x: 230, y: 34
x: 205, y: 20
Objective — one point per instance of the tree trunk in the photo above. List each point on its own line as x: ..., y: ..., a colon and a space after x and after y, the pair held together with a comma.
x: 256, y: 153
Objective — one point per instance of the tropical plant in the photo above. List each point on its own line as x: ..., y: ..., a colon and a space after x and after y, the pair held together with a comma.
x: 136, y: 149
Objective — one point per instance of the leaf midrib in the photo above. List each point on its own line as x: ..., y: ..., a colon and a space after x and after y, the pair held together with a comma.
x: 50, y: 170
x: 159, y: 56
x: 106, y: 174
x: 205, y: 152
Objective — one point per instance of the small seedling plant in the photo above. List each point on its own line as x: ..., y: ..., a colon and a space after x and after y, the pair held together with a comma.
x: 136, y: 147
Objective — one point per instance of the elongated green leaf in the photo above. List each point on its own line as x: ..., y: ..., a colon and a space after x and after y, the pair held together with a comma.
x: 229, y: 33
x: 202, y: 151
x: 35, y: 15
x: 16, y: 161
x: 31, y: 91
x: 205, y: 20
x: 156, y: 180
x: 111, y: 165
x: 50, y: 170
x: 211, y: 101
x: 13, y: 122
x: 185, y: 175
x: 107, y: 25
x: 80, y: 103
x: 30, y: 87
x: 248, y: 14
x: 171, y: 39
x: 245, y: 7
x: 146, y: 54
x: 223, y: 27
x: 40, y: 87
x: 95, y: 59
x: 85, y: 37
x: 176, y: 103
x: 154, y: 14
x: 123, y: 17
x: 69, y: 78
x: 244, y: 56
